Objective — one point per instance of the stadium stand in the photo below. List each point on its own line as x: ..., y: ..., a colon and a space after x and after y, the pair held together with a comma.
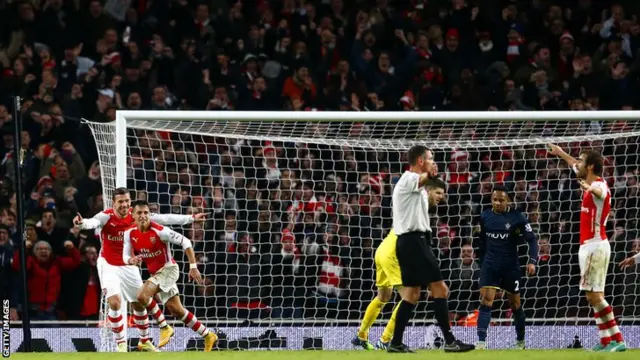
x: 86, y: 59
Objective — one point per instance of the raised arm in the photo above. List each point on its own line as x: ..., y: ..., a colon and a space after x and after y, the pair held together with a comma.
x: 95, y: 222
x: 417, y: 181
x: 72, y: 259
x: 557, y: 151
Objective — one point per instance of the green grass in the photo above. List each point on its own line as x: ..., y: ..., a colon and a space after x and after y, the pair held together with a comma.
x: 339, y: 355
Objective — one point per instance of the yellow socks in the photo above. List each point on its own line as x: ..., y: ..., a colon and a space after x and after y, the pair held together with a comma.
x: 391, y: 325
x: 373, y: 310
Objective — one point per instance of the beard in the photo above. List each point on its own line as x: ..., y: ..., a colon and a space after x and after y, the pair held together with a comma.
x: 486, y: 46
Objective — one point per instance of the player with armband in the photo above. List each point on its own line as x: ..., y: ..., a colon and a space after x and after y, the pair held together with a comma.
x: 501, y: 228
x: 388, y: 277
x: 119, y: 279
x: 149, y: 242
x: 595, y: 251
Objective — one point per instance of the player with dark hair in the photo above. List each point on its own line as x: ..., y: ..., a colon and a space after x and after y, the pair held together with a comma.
x: 595, y: 251
x: 388, y: 277
x: 120, y: 280
x: 418, y: 265
x: 148, y: 242
x: 501, y: 229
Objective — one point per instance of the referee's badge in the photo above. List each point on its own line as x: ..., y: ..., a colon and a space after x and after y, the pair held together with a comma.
x: 507, y: 226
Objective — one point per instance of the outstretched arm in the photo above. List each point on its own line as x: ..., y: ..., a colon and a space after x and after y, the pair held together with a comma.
x: 171, y: 219
x: 598, y: 188
x: 633, y: 260
x: 95, y: 222
x: 557, y: 151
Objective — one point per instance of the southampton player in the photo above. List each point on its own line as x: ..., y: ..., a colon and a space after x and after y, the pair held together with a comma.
x: 595, y: 251
x: 418, y: 265
x: 119, y: 279
x: 501, y: 228
x: 149, y: 242
x: 387, y: 278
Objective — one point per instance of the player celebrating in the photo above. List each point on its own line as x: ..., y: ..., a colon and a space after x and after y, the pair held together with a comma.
x: 500, y: 230
x: 118, y: 278
x: 150, y: 241
x: 630, y: 261
x: 416, y: 261
x: 387, y: 277
x: 595, y: 250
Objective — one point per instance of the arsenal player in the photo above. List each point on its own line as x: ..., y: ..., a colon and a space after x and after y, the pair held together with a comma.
x: 595, y: 250
x: 119, y: 279
x: 149, y: 242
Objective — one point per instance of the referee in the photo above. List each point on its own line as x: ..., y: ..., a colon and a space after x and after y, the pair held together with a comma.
x: 419, y: 267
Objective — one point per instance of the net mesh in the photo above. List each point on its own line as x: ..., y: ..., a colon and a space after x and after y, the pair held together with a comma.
x: 298, y: 208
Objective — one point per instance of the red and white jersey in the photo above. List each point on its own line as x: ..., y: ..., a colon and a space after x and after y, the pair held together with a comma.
x: 594, y: 213
x: 332, y: 276
x: 113, y: 226
x: 153, y: 245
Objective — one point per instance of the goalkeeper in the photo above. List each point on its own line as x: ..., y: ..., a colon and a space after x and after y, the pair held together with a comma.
x: 501, y: 228
x: 387, y: 278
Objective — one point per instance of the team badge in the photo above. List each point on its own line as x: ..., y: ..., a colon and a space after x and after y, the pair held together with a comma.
x: 507, y: 226
x: 152, y: 239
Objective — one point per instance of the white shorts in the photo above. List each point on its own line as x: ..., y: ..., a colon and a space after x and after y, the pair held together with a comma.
x: 594, y: 262
x: 122, y: 280
x: 166, y: 279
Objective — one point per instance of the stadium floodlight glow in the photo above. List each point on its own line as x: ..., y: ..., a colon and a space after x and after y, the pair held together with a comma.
x: 254, y: 171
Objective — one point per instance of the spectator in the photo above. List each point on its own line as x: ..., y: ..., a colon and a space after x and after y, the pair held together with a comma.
x: 81, y: 290
x: 6, y: 256
x: 464, y: 282
x: 44, y: 272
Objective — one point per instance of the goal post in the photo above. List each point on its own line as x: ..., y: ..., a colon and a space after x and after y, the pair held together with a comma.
x: 298, y: 202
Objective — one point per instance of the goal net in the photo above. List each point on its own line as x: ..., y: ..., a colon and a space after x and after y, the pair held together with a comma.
x: 298, y: 203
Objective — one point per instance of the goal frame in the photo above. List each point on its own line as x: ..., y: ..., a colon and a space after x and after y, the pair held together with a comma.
x: 124, y: 116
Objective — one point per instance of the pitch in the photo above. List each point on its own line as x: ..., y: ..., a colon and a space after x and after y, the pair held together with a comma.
x: 353, y: 355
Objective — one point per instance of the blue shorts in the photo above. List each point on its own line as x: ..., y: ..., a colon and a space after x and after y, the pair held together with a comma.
x: 508, y: 280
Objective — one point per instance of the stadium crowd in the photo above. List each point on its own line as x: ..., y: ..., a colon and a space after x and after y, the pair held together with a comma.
x: 294, y: 227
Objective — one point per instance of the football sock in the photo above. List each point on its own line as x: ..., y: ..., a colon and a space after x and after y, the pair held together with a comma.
x: 607, y: 325
x: 157, y: 314
x: 519, y: 318
x: 484, y: 318
x: 387, y: 334
x: 442, y: 318
x: 142, y: 323
x: 191, y: 321
x: 370, y: 315
x: 117, y: 325
x: 405, y: 311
